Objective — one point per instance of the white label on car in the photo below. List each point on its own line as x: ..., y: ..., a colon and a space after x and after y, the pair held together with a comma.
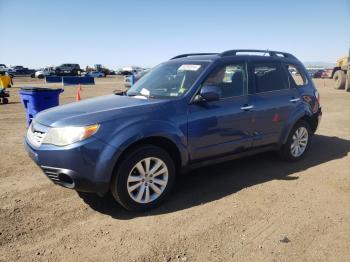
x: 145, y: 92
x: 140, y: 97
x: 189, y: 67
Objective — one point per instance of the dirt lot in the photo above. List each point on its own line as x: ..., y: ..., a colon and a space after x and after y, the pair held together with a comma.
x: 254, y: 209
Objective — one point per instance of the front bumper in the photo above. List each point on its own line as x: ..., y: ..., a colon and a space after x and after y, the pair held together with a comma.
x: 85, y: 167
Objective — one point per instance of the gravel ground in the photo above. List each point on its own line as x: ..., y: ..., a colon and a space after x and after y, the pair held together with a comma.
x: 254, y: 209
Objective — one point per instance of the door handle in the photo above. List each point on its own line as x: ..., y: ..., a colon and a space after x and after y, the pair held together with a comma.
x: 247, y: 107
x: 293, y: 100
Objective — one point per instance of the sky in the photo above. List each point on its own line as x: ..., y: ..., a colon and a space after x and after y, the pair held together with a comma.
x: 38, y: 33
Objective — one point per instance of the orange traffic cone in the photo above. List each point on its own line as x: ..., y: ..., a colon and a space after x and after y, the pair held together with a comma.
x: 77, y: 96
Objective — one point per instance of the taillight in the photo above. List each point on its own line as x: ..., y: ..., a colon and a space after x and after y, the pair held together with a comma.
x: 317, y: 104
x: 318, y: 97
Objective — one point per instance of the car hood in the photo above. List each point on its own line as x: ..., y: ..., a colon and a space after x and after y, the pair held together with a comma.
x: 96, y: 110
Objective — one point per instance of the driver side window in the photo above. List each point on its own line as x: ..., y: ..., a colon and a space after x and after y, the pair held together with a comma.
x: 231, y: 80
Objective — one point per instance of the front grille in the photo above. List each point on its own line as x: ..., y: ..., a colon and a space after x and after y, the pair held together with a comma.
x: 35, y: 137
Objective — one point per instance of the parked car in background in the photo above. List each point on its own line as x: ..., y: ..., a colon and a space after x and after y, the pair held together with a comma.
x: 191, y: 111
x: 3, y: 68
x: 131, y: 70
x: 20, y: 71
x: 47, y: 71
x: 137, y: 76
x: 318, y: 73
x: 327, y: 73
x: 99, y: 68
x: 68, y: 70
x: 95, y: 74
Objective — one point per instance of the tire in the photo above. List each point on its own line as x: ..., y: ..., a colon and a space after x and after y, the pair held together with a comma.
x: 339, y: 79
x: 5, y: 100
x: 289, y: 152
x: 40, y: 76
x: 124, y: 184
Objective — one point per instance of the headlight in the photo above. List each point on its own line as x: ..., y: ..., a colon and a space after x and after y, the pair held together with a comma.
x: 63, y: 136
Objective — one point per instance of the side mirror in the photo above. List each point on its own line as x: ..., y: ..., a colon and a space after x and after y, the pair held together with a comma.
x: 208, y: 93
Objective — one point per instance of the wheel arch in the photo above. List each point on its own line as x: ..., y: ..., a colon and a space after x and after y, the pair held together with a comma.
x: 301, y: 114
x: 160, y: 141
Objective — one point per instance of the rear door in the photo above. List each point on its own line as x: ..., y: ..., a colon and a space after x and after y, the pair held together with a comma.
x: 273, y: 100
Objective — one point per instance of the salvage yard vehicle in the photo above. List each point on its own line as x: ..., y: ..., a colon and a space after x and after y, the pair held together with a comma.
x: 3, y: 68
x: 318, y: 73
x: 20, y: 71
x: 188, y: 112
x: 42, y: 73
x: 137, y: 76
x: 340, y: 73
x: 95, y: 74
x: 68, y: 70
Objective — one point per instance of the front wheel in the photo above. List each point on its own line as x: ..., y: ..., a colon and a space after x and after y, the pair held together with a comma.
x: 297, y: 143
x: 144, y: 178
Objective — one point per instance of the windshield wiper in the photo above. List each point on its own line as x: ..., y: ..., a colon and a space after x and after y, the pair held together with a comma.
x: 119, y: 93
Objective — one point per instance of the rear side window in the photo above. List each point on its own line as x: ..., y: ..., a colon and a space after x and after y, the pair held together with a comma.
x: 296, y: 76
x: 268, y: 77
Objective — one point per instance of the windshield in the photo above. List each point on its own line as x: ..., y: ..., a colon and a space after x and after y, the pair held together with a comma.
x: 168, y: 80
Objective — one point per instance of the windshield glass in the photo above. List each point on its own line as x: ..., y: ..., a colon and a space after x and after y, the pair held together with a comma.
x: 168, y: 80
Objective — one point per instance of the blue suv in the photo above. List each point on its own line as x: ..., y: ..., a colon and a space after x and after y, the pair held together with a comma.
x: 191, y: 111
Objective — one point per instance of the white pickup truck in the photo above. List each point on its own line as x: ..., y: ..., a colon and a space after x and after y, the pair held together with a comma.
x: 47, y: 71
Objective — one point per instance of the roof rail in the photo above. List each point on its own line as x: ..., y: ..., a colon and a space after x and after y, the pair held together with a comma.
x: 185, y: 55
x: 271, y: 53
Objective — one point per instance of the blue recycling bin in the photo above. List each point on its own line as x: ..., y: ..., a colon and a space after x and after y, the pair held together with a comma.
x: 36, y: 99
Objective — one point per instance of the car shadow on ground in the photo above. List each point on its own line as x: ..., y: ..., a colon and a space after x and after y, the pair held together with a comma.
x: 214, y: 182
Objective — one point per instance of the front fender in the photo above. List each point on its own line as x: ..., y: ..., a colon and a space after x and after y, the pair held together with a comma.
x: 300, y: 111
x: 135, y: 132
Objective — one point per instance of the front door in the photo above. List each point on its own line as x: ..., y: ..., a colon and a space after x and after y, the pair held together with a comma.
x: 221, y: 127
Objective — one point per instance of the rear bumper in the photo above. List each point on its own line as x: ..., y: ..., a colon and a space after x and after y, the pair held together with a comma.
x: 82, y: 168
x: 316, y: 119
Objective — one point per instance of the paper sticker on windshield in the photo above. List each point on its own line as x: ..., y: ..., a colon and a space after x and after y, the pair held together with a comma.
x: 144, y: 92
x: 189, y: 67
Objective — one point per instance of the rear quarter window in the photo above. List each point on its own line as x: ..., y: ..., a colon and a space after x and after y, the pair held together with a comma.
x: 295, y: 75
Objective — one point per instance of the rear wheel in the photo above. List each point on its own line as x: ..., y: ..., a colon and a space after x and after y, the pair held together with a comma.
x: 144, y: 178
x: 5, y: 100
x: 339, y: 79
x: 297, y: 143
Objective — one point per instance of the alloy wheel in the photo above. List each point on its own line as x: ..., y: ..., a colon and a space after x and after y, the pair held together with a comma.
x: 299, y: 141
x: 147, y: 180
